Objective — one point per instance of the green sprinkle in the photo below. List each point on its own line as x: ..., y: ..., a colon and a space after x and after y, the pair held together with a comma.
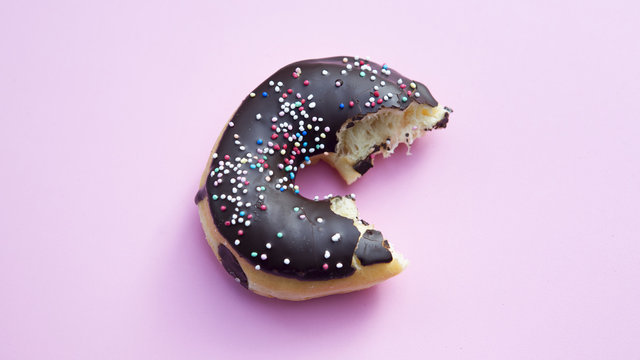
x: 254, y: 254
x: 362, y: 73
x: 296, y: 209
x: 263, y: 188
x: 279, y: 235
x: 288, y: 168
x: 404, y: 99
x: 214, y: 197
x: 298, y: 104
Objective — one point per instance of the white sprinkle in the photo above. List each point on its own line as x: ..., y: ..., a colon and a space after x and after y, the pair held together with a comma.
x: 382, y: 83
x: 343, y: 72
x: 237, y: 242
x: 335, y: 237
x: 399, y: 81
x: 258, y: 116
x: 325, y: 72
x: 257, y: 267
x: 312, y: 105
x: 252, y: 94
x: 344, y: 60
x: 231, y: 124
x: 320, y: 220
x: 417, y: 94
x: 349, y: 66
x: 271, y: 83
x: 327, y: 254
x: 263, y: 256
x: 268, y: 245
x: 287, y: 261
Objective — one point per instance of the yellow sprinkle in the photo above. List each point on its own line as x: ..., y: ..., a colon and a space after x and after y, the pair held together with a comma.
x: 297, y: 144
x: 283, y: 152
x: 413, y: 85
x: 323, y: 135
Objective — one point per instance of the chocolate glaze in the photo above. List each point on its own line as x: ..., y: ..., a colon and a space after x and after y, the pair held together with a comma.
x: 288, y: 234
x: 232, y: 265
x: 373, y: 248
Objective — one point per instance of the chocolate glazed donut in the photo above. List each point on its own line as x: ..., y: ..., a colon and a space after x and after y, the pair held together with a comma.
x: 268, y: 237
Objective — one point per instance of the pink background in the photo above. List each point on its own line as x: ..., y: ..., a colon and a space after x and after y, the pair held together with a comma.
x: 521, y: 218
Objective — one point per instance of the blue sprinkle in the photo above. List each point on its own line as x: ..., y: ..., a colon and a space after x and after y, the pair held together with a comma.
x: 297, y: 191
x: 241, y: 213
x: 306, y: 158
x: 341, y: 106
x: 304, y: 132
x: 282, y: 189
x: 253, y: 166
x: 292, y: 175
x: 259, y: 142
x: 264, y: 94
x: 385, y: 66
x: 304, y: 144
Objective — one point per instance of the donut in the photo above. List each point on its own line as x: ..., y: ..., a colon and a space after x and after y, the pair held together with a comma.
x: 268, y: 237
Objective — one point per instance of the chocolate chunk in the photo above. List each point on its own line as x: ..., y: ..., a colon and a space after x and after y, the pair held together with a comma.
x: 363, y: 166
x: 373, y: 249
x: 232, y: 265
x: 442, y: 123
x: 201, y: 194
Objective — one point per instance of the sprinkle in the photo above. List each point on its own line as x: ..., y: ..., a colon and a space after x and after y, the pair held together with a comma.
x: 263, y: 256
x: 404, y: 99
x: 312, y: 105
x: 345, y: 60
x: 237, y: 242
x: 325, y: 72
x: 286, y: 261
x: 231, y: 124
x: 325, y: 266
x: 264, y: 94
x: 279, y: 235
x: 335, y: 237
x: 338, y: 83
x: 258, y: 116
x: 214, y: 197
x: 362, y: 74
x: 413, y: 85
x: 320, y: 220
x: 252, y: 95
x: 341, y: 106
x: 259, y: 142
x: 240, y: 232
x: 327, y: 254
x: 399, y: 81
x: 223, y: 208
x: 417, y: 94
x: 268, y: 245
x: 263, y: 207
x: 257, y: 267
x: 351, y: 103
x: 296, y: 209
x: 339, y: 265
x: 306, y: 83
x: 254, y: 254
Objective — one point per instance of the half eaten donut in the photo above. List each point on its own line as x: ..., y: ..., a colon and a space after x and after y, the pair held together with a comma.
x: 271, y: 239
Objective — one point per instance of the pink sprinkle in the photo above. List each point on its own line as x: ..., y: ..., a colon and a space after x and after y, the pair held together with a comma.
x: 263, y: 207
x: 376, y: 93
x: 273, y: 127
x: 226, y: 157
x: 285, y: 96
x: 402, y: 86
x: 351, y: 104
x: 249, y: 216
x: 409, y: 93
x: 240, y: 232
x: 276, y: 147
x: 274, y: 136
x: 325, y: 266
x: 327, y: 129
x: 266, y: 166
x: 379, y: 101
x: 306, y: 82
x: 295, y: 75
x: 227, y: 223
x: 223, y: 208
x: 246, y: 182
x: 289, y: 91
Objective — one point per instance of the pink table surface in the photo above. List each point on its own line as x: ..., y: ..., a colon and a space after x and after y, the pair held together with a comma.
x: 520, y: 219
